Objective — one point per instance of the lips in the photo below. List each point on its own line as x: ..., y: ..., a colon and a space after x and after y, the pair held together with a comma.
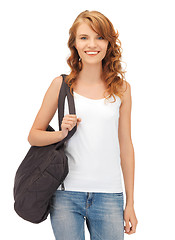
x: 92, y: 52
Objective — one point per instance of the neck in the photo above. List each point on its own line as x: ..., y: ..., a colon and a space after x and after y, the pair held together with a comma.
x: 91, y: 74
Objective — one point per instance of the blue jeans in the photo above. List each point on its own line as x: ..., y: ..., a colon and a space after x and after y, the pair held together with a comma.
x: 103, y: 213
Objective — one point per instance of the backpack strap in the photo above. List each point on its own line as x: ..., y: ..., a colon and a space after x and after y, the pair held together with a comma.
x: 65, y: 91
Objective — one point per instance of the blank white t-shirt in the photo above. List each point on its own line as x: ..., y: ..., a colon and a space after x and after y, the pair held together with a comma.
x: 93, y: 151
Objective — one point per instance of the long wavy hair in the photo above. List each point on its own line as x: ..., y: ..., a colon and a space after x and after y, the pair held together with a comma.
x: 113, y: 74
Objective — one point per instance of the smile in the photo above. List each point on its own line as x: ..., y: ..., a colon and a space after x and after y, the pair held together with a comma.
x: 92, y: 53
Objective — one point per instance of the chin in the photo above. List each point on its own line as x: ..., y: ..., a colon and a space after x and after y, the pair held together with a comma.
x: 92, y: 61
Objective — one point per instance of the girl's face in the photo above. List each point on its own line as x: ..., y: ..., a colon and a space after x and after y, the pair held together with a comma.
x: 88, y: 41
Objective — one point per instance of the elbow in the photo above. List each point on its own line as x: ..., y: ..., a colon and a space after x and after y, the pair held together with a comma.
x: 30, y: 138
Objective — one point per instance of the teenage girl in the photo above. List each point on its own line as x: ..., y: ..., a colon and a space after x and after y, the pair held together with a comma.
x: 102, y: 146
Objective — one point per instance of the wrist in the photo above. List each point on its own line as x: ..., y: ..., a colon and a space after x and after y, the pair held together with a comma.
x: 63, y: 135
x: 130, y: 202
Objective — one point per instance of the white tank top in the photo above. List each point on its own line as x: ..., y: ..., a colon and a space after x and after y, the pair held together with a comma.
x: 93, y: 151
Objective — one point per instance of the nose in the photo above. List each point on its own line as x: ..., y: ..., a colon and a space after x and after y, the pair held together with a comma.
x: 92, y: 43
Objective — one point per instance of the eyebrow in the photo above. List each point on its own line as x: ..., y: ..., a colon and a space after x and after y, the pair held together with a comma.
x: 86, y: 35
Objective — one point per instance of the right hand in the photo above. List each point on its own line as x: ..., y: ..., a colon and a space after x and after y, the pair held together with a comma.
x: 68, y: 123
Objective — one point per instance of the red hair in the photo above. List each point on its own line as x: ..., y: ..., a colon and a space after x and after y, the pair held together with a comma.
x: 112, y: 70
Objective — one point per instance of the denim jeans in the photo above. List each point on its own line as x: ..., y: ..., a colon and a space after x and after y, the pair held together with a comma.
x: 103, y: 213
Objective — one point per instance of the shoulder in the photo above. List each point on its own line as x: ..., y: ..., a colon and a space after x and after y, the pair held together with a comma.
x: 54, y: 88
x: 55, y: 85
x: 57, y: 81
x: 126, y: 90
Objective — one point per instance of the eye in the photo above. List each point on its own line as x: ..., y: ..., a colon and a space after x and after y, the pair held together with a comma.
x: 98, y: 38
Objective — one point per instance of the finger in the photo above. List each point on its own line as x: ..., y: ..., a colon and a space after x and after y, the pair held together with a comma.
x: 72, y: 120
x: 131, y: 231
x: 127, y: 227
x: 133, y: 228
x: 69, y: 121
x: 71, y: 115
x: 127, y: 230
x: 66, y: 125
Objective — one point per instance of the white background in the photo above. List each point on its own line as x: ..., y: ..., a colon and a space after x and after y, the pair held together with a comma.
x: 33, y: 51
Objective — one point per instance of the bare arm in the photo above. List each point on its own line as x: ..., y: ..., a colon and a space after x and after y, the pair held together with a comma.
x: 38, y: 136
x: 127, y: 160
x: 126, y: 146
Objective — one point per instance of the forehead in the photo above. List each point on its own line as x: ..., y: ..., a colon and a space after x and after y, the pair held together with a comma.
x: 84, y: 28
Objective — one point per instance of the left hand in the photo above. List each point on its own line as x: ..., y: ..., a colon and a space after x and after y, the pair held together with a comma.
x: 129, y: 216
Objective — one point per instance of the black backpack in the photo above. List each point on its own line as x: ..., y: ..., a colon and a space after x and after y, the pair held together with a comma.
x: 43, y: 170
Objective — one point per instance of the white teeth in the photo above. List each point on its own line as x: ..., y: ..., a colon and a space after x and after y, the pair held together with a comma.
x: 91, y: 52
